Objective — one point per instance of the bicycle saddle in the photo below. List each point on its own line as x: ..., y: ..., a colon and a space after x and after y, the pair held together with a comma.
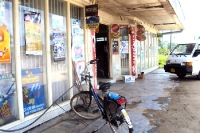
x: 104, y: 86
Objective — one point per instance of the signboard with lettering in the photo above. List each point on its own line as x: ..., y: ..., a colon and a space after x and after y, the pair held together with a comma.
x: 91, y: 10
x: 33, y: 91
x: 133, y: 51
x: 92, y: 22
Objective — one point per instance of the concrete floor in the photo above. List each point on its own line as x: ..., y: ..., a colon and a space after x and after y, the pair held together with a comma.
x: 151, y: 93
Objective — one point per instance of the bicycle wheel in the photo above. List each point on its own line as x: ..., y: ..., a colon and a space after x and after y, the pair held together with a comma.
x: 116, y: 121
x: 80, y: 105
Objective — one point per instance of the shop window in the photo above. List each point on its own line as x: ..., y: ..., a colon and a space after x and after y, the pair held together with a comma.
x: 58, y: 45
x: 8, y: 93
x: 33, y: 56
x: 77, y: 37
x: 124, y: 49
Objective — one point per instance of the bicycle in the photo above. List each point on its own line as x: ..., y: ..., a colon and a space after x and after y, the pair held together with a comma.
x: 110, y: 106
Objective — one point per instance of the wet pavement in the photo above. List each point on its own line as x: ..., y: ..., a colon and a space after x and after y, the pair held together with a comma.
x: 143, y: 96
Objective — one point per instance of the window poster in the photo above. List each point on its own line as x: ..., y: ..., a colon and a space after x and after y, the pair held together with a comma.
x: 7, y: 100
x: 57, y: 22
x: 115, y: 47
x: 33, y: 91
x: 80, y: 66
x: 33, y: 33
x: 78, y: 52
x: 58, y: 47
x: 5, y: 55
x: 124, y: 47
x: 77, y: 40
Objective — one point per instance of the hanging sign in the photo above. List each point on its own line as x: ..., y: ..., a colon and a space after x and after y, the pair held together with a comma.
x: 133, y: 51
x: 140, y: 33
x: 91, y: 10
x: 115, y: 35
x: 114, y: 28
x: 92, y: 22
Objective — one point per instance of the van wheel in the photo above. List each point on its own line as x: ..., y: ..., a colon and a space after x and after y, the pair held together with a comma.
x: 198, y: 76
x: 181, y: 75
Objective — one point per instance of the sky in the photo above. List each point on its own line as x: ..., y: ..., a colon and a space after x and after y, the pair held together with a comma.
x: 191, y: 22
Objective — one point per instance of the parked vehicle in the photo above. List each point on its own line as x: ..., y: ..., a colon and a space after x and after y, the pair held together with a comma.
x: 184, y: 60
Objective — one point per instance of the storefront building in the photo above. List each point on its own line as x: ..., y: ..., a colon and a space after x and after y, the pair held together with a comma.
x: 44, y: 45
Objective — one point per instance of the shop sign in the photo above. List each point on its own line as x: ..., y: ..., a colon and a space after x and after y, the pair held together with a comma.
x: 94, y: 57
x: 140, y: 33
x: 115, y: 35
x: 92, y: 22
x: 115, y: 28
x: 133, y: 52
x: 91, y: 10
x: 33, y: 91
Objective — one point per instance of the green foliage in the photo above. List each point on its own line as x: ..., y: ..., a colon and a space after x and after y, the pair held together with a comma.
x: 163, y: 51
x: 162, y: 60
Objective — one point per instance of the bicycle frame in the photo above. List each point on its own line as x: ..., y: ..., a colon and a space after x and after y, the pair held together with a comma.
x: 95, y: 95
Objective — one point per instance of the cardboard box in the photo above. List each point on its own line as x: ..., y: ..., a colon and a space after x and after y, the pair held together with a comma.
x: 128, y: 78
x: 141, y: 76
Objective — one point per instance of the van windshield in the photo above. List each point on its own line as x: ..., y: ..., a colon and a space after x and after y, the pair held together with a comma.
x: 183, y: 49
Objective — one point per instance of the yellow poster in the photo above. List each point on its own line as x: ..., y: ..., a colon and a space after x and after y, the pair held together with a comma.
x: 4, y: 45
x: 33, y: 34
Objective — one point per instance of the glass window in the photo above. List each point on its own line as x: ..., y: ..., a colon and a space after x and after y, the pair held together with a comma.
x: 33, y: 56
x: 124, y: 49
x: 77, y: 33
x: 8, y: 96
x: 58, y: 45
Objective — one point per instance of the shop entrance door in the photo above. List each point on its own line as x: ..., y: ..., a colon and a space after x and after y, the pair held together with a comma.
x: 102, y: 51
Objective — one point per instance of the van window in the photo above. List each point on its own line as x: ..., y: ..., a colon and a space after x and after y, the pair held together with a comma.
x: 198, y: 47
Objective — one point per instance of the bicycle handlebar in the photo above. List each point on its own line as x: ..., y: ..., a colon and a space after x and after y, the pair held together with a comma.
x: 94, y: 61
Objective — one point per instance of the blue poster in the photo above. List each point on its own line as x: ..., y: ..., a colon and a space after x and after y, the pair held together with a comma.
x: 33, y: 91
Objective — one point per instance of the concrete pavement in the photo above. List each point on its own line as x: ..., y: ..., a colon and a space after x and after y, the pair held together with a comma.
x: 143, y: 96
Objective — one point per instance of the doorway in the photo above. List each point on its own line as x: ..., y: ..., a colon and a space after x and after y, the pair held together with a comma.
x: 102, y: 51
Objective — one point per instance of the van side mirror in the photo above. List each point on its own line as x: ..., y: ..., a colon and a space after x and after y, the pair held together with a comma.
x: 196, y: 53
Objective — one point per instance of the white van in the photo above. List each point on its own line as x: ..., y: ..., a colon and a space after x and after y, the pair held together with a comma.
x: 184, y: 60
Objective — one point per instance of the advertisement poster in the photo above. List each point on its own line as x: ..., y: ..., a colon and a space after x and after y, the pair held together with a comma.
x: 57, y: 22
x: 94, y: 57
x: 33, y: 91
x: 58, y: 47
x: 133, y: 50
x: 78, y: 52
x: 80, y: 66
x: 5, y: 55
x: 2, y: 12
x: 77, y: 40
x: 7, y: 92
x: 115, y: 47
x: 33, y: 33
x: 123, y: 47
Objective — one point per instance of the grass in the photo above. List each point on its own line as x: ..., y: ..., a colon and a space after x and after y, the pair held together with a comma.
x: 162, y: 60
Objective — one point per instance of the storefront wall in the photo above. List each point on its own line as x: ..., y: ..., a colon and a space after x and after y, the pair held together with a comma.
x: 43, y: 36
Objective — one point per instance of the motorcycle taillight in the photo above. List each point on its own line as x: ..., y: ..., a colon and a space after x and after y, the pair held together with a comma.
x: 121, y: 100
